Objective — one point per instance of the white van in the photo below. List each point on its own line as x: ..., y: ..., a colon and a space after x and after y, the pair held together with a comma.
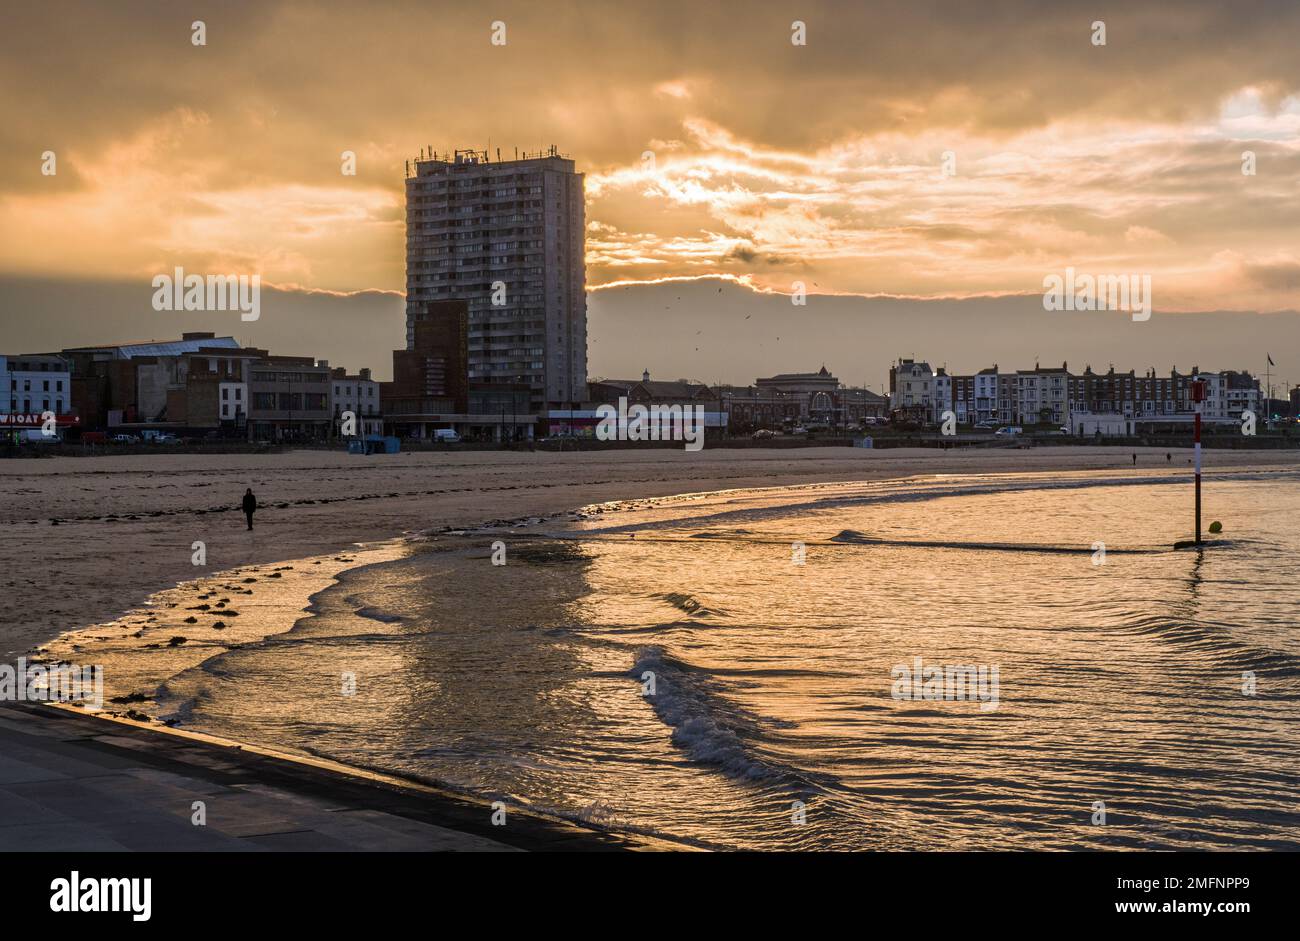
x: 447, y: 435
x: 32, y: 436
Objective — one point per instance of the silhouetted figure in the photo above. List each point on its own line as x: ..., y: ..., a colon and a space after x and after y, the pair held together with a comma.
x: 250, y: 505
x: 1169, y: 458
x: 1135, y: 460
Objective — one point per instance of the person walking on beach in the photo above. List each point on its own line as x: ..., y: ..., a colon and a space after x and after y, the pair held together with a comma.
x: 1135, y: 464
x: 250, y: 504
x: 1169, y: 458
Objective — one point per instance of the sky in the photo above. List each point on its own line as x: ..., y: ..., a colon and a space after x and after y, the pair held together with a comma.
x: 909, y: 158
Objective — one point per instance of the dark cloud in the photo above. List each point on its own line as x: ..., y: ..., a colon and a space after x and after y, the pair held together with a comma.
x: 1283, y: 276
x: 777, y: 160
x: 290, y: 84
x: 352, y: 330
x: 658, y: 326
x: 857, y: 338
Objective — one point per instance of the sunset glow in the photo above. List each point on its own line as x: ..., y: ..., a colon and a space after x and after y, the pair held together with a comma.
x: 701, y: 159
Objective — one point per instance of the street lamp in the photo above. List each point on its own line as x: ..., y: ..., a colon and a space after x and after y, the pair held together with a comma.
x: 706, y: 386
x: 514, y: 409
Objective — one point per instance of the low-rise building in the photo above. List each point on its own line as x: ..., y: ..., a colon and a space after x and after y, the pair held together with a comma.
x: 793, y: 399
x: 750, y: 408
x: 1051, y: 395
x: 289, y: 398
x: 914, y: 391
x: 1041, y: 395
x: 814, y: 391
x: 32, y: 383
x: 32, y: 387
x: 360, y: 395
x: 207, y: 390
x: 1241, y: 393
x: 1152, y: 397
x: 646, y: 392
x: 196, y: 384
x: 975, y: 397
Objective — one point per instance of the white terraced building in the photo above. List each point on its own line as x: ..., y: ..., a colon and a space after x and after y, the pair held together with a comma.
x: 358, y: 394
x: 1053, y: 394
x: 34, y: 383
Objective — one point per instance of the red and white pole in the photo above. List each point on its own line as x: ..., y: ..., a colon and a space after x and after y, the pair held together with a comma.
x: 1198, y: 398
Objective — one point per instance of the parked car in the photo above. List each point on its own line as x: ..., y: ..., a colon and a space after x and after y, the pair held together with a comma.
x: 165, y: 438
x: 125, y: 439
x: 987, y: 425
x: 763, y: 434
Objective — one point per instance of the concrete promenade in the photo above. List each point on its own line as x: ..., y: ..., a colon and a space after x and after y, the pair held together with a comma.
x: 74, y: 782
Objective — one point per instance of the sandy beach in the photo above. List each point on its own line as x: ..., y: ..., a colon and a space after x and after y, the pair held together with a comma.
x: 89, y: 539
x: 104, y: 548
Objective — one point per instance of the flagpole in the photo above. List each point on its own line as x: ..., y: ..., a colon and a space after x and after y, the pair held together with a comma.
x: 1268, y: 391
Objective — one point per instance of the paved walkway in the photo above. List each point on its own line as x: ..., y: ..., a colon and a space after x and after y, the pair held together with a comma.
x: 72, y: 782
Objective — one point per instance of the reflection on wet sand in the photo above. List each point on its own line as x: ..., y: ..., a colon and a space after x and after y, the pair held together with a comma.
x: 676, y: 667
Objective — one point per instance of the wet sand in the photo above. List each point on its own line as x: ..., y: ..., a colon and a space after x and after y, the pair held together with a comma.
x: 117, y: 570
x: 181, y: 627
x: 86, y: 540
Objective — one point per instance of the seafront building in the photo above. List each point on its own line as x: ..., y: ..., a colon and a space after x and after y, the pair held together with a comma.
x: 914, y: 392
x: 358, y: 394
x: 207, y: 386
x: 975, y: 397
x: 805, y: 398
x: 1041, y: 394
x: 783, y: 401
x: 508, y: 238
x: 647, y: 391
x: 197, y: 382
x: 1055, y: 395
x: 202, y: 385
x: 580, y: 419
x: 289, y: 398
x: 33, y: 385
